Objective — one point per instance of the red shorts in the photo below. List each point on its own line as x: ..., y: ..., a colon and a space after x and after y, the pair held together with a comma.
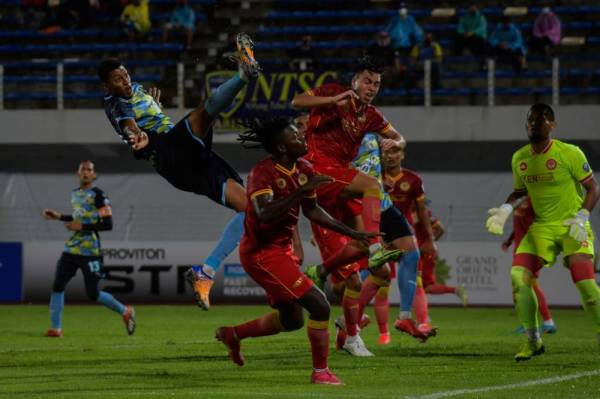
x: 329, y: 242
x: 328, y: 194
x: 427, y: 269
x: 278, y: 272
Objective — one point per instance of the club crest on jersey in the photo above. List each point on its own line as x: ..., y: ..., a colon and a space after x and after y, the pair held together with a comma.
x: 523, y: 166
x: 404, y: 186
x: 297, y: 282
x: 586, y: 167
x: 551, y: 164
x: 280, y: 183
x: 302, y: 179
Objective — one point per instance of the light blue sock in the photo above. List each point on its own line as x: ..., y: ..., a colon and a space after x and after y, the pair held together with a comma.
x: 223, y: 95
x: 110, y: 302
x: 407, y: 279
x: 229, y: 240
x: 57, y: 303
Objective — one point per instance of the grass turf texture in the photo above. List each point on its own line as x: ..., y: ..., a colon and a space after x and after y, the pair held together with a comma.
x: 173, y: 354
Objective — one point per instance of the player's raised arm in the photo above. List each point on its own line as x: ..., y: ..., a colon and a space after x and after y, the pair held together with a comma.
x: 310, y: 100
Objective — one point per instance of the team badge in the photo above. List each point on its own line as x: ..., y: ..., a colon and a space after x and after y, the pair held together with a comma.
x: 523, y: 166
x: 302, y: 179
x: 404, y: 186
x: 551, y: 164
x: 586, y: 167
x: 280, y: 183
x: 297, y: 282
x: 584, y: 244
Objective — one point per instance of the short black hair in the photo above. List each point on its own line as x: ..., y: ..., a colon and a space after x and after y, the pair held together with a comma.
x: 368, y: 63
x: 106, y: 67
x: 543, y: 108
x: 262, y: 132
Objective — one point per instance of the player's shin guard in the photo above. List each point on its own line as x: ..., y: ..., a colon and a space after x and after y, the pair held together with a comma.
x: 407, y: 279
x: 351, y: 303
x: 57, y: 303
x: 542, y: 302
x: 229, y: 240
x: 583, y: 276
x: 420, y: 305
x: 318, y: 335
x: 382, y: 309
x: 110, y: 302
x: 268, y: 324
x: 223, y: 95
x: 371, y: 211
x: 525, y: 299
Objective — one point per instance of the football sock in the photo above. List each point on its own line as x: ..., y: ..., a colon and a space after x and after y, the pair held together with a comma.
x: 439, y: 289
x: 371, y: 211
x: 110, y: 302
x: 367, y: 292
x: 590, y: 298
x: 223, y: 95
x: 228, y: 241
x: 57, y: 303
x: 420, y: 305
x: 525, y: 299
x: 542, y: 303
x: 407, y: 279
x: 318, y: 335
x: 267, y: 324
x: 382, y: 309
x: 350, y: 304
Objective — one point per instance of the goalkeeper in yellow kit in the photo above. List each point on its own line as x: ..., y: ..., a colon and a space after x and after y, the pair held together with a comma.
x: 553, y: 174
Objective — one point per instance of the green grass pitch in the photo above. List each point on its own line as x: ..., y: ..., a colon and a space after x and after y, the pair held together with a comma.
x: 173, y: 355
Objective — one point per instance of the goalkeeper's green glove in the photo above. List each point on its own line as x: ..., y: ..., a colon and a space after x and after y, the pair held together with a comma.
x: 576, y: 225
x: 498, y: 216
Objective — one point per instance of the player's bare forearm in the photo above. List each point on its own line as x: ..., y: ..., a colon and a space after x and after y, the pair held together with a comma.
x: 393, y: 135
x: 424, y: 218
x: 516, y: 197
x: 269, y: 210
x: 304, y: 100
x: 592, y: 194
x: 319, y: 216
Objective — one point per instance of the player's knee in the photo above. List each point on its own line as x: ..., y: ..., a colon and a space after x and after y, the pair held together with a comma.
x: 338, y: 289
x: 92, y: 293
x: 520, y: 277
x: 383, y: 273
x: 321, y: 311
x: 58, y: 286
x: 292, y: 323
x: 353, y: 282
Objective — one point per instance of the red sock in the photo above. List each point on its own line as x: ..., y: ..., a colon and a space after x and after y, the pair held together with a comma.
x: 439, y: 289
x: 318, y: 335
x: 542, y: 303
x: 382, y: 306
x: 420, y: 306
x: 351, y: 303
x: 268, y: 324
x: 344, y: 256
x: 367, y: 292
x: 371, y: 210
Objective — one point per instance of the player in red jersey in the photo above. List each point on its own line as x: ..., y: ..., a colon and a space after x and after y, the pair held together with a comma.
x: 339, y: 118
x: 523, y: 218
x: 277, y: 187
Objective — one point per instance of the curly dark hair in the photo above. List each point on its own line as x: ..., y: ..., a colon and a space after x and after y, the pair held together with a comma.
x: 106, y: 67
x: 367, y: 63
x: 262, y: 131
x: 543, y: 108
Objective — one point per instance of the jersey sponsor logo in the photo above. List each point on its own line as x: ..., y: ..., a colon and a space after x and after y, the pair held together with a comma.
x: 404, y: 186
x: 523, y: 166
x: 551, y: 164
x: 542, y: 178
x: 302, y: 179
x: 585, y: 244
x: 280, y: 183
x: 586, y: 167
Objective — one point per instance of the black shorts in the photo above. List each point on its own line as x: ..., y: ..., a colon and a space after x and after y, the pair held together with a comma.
x: 190, y: 164
x: 91, y: 267
x: 394, y: 225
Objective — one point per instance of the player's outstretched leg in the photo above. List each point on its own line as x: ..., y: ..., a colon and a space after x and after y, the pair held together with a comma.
x: 583, y: 275
x: 57, y: 303
x: 407, y: 285
x: 126, y: 312
x: 527, y: 311
x: 371, y: 287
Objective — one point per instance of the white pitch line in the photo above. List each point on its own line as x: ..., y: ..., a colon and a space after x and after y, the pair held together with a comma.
x: 543, y: 381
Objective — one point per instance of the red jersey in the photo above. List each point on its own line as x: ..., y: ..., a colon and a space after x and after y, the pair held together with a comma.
x: 334, y: 132
x: 268, y: 177
x: 522, y: 219
x: 407, y: 190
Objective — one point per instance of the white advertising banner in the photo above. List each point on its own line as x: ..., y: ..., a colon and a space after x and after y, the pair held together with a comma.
x: 153, y: 272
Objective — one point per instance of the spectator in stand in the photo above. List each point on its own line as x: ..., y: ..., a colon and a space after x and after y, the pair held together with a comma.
x: 428, y: 50
x: 135, y: 19
x: 507, y: 44
x: 404, y: 31
x: 472, y: 33
x: 385, y: 55
x: 303, y: 57
x: 546, y: 32
x: 182, y: 22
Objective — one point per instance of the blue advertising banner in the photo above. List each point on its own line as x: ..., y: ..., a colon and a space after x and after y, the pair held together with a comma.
x: 11, y: 271
x: 271, y: 92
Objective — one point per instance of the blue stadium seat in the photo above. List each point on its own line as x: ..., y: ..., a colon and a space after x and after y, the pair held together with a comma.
x: 98, y: 47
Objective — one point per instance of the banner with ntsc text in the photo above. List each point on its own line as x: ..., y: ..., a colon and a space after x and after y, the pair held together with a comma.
x: 154, y: 272
x: 271, y: 93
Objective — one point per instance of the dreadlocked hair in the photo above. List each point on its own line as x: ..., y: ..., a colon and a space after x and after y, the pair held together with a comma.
x: 367, y: 63
x: 261, y: 132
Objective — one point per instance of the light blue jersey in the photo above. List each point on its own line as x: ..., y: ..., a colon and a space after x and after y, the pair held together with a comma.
x: 368, y: 161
